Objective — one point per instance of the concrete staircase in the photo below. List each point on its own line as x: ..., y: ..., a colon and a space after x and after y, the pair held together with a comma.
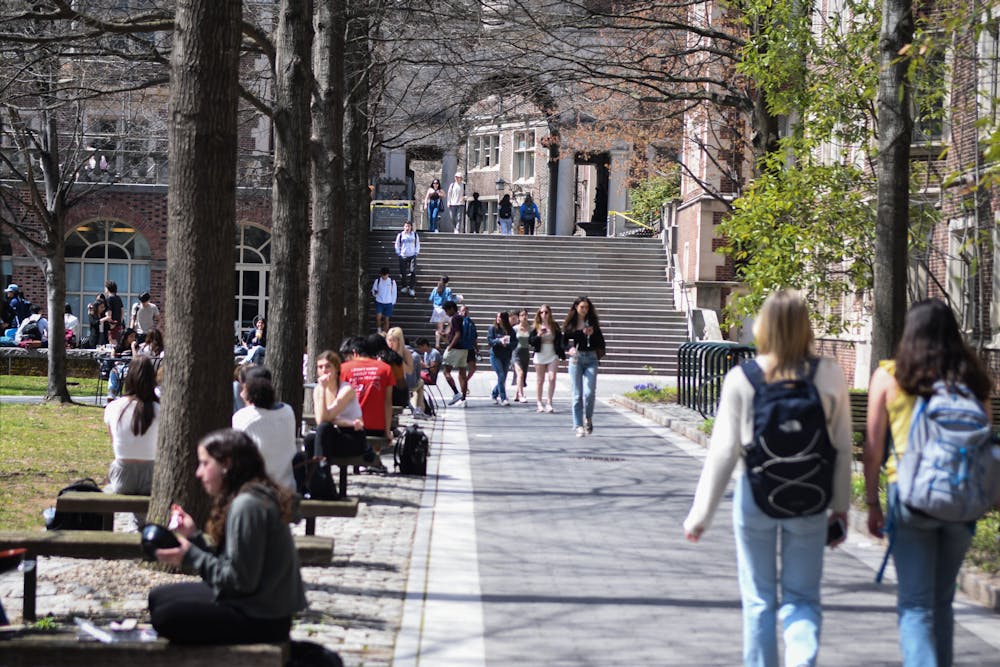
x: 624, y: 278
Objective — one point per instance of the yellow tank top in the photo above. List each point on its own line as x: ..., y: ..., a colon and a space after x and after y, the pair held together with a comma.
x: 900, y: 410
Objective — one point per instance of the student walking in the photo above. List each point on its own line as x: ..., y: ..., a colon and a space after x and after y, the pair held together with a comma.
x: 456, y: 356
x: 433, y: 201
x: 505, y: 216
x: 384, y: 291
x: 456, y: 203
x: 407, y: 247
x: 584, y: 345
x: 927, y: 552
x: 522, y: 354
x: 501, y: 339
x: 546, y: 340
x: 439, y: 296
x: 529, y: 216
x: 475, y: 213
x: 784, y: 342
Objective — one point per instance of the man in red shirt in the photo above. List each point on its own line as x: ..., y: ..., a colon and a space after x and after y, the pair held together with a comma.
x: 372, y: 381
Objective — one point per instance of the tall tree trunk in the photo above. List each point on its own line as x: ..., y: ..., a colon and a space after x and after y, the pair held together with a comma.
x: 326, y: 304
x: 290, y: 200
x: 357, y: 59
x: 201, y: 225
x: 895, y: 127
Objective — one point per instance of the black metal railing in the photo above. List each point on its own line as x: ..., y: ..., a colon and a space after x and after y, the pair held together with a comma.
x: 701, y: 366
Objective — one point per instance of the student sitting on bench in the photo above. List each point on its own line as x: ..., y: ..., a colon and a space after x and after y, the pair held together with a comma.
x: 251, y: 584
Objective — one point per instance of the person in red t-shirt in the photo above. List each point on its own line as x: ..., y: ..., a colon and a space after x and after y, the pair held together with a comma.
x: 372, y: 381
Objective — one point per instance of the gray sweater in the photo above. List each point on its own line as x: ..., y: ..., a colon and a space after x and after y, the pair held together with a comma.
x: 258, y: 568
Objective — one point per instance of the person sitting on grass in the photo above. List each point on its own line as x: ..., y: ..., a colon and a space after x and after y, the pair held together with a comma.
x: 133, y: 423
x: 251, y: 583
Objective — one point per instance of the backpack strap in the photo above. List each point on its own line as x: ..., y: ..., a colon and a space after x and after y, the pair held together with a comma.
x: 754, y: 374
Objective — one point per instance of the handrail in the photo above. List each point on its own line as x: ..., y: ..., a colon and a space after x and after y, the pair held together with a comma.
x: 632, y: 220
x: 681, y: 295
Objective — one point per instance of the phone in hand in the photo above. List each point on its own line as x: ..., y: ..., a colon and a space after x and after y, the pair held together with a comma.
x: 835, y: 531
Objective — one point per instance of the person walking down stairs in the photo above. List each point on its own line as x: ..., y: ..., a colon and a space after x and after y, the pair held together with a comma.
x: 407, y: 247
x: 439, y: 296
x: 384, y: 291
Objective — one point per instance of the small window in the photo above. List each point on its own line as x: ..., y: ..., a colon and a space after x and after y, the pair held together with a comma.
x: 524, y: 155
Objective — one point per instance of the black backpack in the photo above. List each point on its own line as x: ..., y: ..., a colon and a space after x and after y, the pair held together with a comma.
x: 790, y: 461
x: 313, y: 477
x: 411, y: 451
x: 31, y: 331
x: 76, y: 520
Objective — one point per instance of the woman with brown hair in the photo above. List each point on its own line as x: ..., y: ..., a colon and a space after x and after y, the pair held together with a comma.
x: 133, y: 424
x: 546, y: 340
x: 251, y: 585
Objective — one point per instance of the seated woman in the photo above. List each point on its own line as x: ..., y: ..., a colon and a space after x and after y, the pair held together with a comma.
x: 340, y: 429
x: 251, y: 584
x: 271, y: 425
x: 123, y: 350
x: 256, y: 342
x: 152, y: 346
x: 133, y: 422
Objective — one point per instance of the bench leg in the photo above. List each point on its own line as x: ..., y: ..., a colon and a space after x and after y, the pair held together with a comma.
x: 30, y: 588
x: 311, y: 526
x: 343, y: 482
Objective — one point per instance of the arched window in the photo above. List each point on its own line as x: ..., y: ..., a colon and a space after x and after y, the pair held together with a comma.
x: 102, y: 250
x: 253, y: 270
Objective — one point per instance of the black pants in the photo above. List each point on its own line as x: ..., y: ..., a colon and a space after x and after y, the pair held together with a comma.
x: 528, y: 227
x: 335, y: 442
x: 188, y: 614
x: 408, y: 272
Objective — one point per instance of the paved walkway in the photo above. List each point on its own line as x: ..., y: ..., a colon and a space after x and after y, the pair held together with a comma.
x: 535, y: 547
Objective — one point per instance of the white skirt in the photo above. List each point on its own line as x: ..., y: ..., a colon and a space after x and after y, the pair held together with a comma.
x: 438, y: 315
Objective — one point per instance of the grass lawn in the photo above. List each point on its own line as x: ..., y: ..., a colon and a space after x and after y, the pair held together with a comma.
x: 81, y: 389
x: 42, y: 449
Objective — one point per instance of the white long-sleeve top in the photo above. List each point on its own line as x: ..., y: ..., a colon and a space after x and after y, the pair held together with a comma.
x: 407, y: 245
x: 456, y: 194
x: 734, y: 427
x: 384, y: 291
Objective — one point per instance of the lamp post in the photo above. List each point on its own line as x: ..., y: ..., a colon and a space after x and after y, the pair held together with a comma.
x: 514, y: 188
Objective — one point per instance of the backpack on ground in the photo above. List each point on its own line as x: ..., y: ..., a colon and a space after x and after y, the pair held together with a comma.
x: 950, y: 469
x: 411, y: 451
x: 790, y: 462
x: 469, y: 334
x: 76, y: 520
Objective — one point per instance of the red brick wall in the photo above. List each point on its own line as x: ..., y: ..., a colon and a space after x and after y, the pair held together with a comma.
x: 843, y: 351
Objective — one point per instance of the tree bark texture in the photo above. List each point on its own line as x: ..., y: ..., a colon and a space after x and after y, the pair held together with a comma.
x: 895, y: 127
x: 201, y: 225
x: 357, y: 60
x: 54, y: 263
x: 326, y: 302
x: 290, y: 200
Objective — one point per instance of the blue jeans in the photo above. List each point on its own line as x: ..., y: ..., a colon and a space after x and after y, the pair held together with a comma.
x: 505, y: 226
x: 583, y: 377
x: 802, y: 542
x: 501, y: 367
x: 927, y: 554
x: 433, y: 211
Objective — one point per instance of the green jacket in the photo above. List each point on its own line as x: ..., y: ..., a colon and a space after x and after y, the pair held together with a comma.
x: 257, y: 570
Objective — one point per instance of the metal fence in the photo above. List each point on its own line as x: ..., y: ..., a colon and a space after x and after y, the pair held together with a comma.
x: 701, y: 366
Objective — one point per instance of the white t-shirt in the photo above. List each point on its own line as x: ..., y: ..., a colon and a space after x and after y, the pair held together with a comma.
x: 127, y: 445
x: 145, y: 318
x: 273, y: 431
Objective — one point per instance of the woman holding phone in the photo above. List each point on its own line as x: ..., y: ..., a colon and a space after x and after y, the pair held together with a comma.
x: 547, y: 342
x: 501, y: 339
x: 584, y: 345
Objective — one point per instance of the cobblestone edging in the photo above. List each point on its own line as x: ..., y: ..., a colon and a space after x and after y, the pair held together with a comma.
x: 980, y: 586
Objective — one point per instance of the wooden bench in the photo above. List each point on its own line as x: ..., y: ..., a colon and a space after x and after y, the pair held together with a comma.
x: 355, y: 462
x: 106, y: 504
x: 30, y: 649
x: 94, y: 544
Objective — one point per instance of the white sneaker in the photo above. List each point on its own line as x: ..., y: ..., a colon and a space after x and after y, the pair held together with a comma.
x: 455, y: 399
x: 412, y: 293
x: 462, y: 403
x: 505, y: 403
x: 581, y: 432
x: 496, y: 401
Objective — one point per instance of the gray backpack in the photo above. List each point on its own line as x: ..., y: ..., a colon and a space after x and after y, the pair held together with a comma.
x: 951, y: 467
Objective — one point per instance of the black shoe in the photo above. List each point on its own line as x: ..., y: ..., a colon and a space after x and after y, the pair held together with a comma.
x: 589, y: 426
